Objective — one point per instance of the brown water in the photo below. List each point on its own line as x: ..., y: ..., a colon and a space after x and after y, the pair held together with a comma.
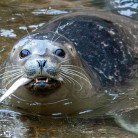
x: 17, y: 18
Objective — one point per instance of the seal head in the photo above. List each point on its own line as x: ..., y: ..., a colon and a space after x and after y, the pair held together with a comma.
x: 41, y: 57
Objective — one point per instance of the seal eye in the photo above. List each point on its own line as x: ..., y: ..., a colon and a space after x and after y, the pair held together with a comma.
x: 60, y: 53
x: 24, y: 53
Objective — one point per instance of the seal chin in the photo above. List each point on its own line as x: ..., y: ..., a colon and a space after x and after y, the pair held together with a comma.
x: 43, y: 84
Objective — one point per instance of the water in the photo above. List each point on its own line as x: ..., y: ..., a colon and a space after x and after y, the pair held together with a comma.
x: 17, y: 18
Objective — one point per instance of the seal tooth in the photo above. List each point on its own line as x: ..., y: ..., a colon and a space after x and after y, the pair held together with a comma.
x: 47, y: 80
x: 36, y: 80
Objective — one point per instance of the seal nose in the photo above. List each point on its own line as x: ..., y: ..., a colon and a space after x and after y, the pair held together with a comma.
x: 41, y: 63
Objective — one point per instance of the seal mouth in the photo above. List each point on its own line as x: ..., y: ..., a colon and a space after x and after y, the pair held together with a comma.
x: 43, y: 83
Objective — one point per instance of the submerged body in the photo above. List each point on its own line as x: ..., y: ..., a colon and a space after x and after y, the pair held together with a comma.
x: 81, y: 63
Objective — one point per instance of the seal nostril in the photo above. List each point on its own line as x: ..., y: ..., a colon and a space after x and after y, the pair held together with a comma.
x: 41, y: 63
x: 44, y: 63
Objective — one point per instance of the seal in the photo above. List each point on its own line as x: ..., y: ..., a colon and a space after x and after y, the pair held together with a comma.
x: 80, y: 63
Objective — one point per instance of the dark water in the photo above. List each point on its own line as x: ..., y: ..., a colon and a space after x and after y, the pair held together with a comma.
x: 17, y: 18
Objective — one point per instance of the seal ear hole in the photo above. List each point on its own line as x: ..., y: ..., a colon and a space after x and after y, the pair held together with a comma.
x: 13, y: 49
x: 71, y: 49
x: 60, y: 53
x: 24, y: 53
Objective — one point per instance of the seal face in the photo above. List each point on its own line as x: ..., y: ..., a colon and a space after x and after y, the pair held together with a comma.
x: 41, y: 57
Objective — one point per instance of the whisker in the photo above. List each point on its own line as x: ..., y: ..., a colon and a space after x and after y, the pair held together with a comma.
x: 12, y: 71
x: 20, y: 75
x: 26, y: 29
x: 13, y: 66
x: 74, y: 81
x: 64, y: 61
x: 81, y: 78
x: 64, y: 78
x: 73, y: 66
x: 68, y: 69
x: 59, y: 37
x: 13, y: 80
x: 68, y: 77
x: 9, y: 76
x: 78, y: 74
x: 55, y: 32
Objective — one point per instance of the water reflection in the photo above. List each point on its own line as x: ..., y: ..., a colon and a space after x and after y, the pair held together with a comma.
x: 20, y: 125
x: 49, y: 11
x: 7, y: 33
x: 125, y: 7
x: 13, y: 25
